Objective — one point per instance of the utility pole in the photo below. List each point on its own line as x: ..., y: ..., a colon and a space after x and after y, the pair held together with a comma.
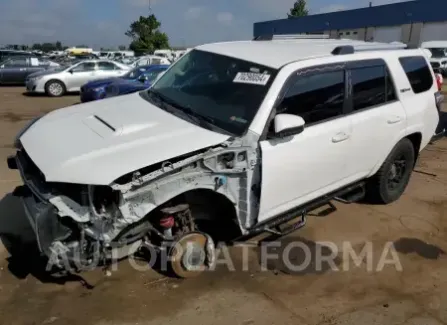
x: 150, y: 8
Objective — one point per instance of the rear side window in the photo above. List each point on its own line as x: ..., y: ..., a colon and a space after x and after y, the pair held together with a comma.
x: 418, y: 73
x: 316, y: 97
x: 371, y: 86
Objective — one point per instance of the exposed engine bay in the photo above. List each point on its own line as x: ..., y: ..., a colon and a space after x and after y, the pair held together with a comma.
x: 82, y: 226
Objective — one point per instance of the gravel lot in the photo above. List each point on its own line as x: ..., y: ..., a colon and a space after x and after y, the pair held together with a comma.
x: 415, y: 295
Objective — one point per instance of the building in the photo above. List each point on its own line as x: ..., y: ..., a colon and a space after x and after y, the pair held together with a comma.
x: 411, y: 22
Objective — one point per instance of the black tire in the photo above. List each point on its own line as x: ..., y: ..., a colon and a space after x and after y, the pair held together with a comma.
x: 391, y: 180
x: 52, y: 85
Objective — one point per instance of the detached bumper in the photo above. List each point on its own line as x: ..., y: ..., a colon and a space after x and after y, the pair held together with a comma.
x: 41, y: 214
x: 45, y: 222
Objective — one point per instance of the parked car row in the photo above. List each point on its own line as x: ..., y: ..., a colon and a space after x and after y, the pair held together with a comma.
x: 15, y: 70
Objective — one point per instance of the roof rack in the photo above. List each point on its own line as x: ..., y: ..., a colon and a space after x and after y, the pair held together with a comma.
x: 351, y: 49
x: 271, y: 37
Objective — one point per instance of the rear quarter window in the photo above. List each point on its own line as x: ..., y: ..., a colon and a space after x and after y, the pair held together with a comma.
x: 418, y: 73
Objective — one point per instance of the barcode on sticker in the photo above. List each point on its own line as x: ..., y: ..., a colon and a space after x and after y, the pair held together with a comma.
x: 252, y: 78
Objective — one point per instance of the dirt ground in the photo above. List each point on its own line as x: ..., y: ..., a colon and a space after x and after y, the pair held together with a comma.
x: 364, y: 294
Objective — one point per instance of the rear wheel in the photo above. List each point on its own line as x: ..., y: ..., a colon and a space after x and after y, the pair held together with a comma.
x: 55, y: 88
x: 391, y: 180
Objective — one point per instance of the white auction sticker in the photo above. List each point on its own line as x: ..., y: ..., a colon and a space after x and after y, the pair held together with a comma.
x: 252, y: 78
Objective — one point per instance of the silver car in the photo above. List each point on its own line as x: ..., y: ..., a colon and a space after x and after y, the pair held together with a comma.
x: 59, y: 81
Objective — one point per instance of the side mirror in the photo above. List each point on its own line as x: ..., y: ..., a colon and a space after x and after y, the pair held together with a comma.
x: 288, y: 124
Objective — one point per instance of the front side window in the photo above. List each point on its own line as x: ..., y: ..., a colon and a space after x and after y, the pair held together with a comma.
x: 418, y: 73
x: 316, y: 97
x: 217, y: 90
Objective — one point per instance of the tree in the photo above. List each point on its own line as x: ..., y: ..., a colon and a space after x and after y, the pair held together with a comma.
x: 58, y: 46
x: 122, y: 47
x: 299, y: 9
x: 146, y: 36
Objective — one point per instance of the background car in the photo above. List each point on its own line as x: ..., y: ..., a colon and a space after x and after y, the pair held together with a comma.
x: 15, y: 70
x: 6, y: 54
x: 136, y: 79
x: 57, y: 82
x: 148, y: 60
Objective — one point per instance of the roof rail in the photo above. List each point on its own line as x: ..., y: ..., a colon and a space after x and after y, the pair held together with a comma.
x: 270, y: 37
x: 350, y: 49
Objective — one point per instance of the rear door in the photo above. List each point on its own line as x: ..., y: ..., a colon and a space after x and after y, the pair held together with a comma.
x: 107, y: 69
x: 377, y: 116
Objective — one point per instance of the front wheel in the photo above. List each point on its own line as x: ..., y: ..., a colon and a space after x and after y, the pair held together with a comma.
x: 391, y: 180
x: 55, y: 88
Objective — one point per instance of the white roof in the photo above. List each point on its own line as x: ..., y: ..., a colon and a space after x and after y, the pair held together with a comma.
x: 277, y: 53
x: 434, y: 44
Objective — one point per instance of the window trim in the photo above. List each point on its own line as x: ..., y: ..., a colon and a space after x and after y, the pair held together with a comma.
x: 347, y: 66
x: 290, y: 81
x: 369, y: 64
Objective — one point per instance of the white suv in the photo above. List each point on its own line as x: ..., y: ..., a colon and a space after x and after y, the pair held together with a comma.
x: 233, y: 140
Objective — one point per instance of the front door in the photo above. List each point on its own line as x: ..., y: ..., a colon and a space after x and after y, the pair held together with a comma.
x: 308, y: 165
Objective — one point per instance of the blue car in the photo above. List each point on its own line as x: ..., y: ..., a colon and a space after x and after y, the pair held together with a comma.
x: 137, y: 79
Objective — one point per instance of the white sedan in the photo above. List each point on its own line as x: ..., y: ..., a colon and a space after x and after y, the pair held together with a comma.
x: 59, y: 81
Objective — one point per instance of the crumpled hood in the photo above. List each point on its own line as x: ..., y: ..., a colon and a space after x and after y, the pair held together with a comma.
x: 96, y: 143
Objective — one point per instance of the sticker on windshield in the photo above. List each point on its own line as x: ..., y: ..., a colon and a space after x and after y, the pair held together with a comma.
x: 238, y: 119
x: 252, y: 78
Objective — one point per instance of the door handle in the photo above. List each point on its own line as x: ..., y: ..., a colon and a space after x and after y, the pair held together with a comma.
x: 404, y: 90
x: 339, y: 137
x: 394, y: 119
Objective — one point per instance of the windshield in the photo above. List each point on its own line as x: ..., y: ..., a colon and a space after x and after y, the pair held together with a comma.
x: 438, y: 52
x: 227, y: 92
x: 134, y: 73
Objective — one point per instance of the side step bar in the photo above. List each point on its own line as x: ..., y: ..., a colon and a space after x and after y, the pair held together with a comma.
x: 274, y: 226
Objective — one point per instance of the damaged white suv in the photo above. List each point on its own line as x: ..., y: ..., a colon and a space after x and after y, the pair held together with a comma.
x: 235, y: 139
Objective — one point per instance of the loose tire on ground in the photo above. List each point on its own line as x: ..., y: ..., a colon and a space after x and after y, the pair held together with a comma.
x: 55, y: 88
x: 391, y: 180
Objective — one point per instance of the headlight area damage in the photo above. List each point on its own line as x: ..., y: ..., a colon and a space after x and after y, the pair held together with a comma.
x: 197, y: 198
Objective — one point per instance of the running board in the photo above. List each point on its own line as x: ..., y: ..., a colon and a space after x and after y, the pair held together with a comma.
x: 273, y: 226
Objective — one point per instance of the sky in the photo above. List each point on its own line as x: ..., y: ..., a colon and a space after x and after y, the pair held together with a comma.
x: 102, y: 23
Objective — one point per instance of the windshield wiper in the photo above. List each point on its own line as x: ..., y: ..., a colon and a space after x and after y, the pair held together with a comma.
x: 187, y: 110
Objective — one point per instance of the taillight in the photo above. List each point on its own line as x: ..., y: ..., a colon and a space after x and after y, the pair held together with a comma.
x: 439, y: 80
